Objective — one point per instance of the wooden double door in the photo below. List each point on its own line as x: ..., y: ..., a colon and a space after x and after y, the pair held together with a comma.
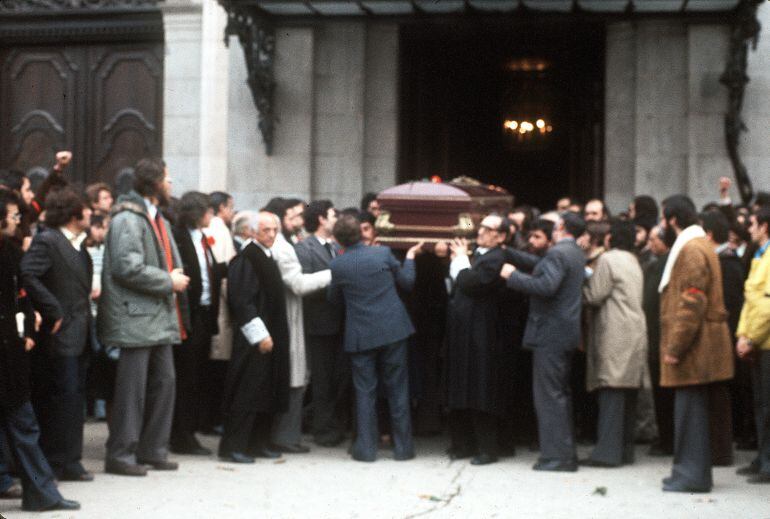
x: 102, y: 101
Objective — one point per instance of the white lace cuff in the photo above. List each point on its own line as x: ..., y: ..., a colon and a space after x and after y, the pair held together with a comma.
x: 255, y: 331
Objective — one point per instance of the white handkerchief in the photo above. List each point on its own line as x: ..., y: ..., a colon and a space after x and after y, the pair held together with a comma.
x: 255, y: 331
x: 20, y: 324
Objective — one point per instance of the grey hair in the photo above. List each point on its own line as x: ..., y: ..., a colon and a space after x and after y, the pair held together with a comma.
x: 244, y: 221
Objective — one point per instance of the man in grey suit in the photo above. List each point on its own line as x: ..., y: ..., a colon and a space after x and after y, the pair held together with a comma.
x: 329, y: 365
x: 553, y: 333
x: 377, y: 325
x: 56, y: 273
x: 142, y: 311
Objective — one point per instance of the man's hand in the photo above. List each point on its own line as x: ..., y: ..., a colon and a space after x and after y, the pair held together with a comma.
x: 179, y: 281
x: 743, y: 348
x: 459, y: 247
x: 56, y: 326
x: 95, y: 293
x: 63, y: 158
x: 266, y: 345
x: 414, y: 251
x: 38, y: 321
x: 724, y: 186
x: 670, y: 360
x: 28, y: 344
x: 507, y: 271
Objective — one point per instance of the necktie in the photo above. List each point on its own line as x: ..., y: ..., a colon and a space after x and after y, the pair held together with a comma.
x: 329, y: 249
x: 206, y: 251
x: 160, y: 233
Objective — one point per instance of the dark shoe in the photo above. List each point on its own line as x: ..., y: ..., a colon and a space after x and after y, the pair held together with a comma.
x: 589, y: 462
x: 669, y: 485
x: 266, y: 453
x: 64, y: 504
x: 483, y: 459
x: 12, y: 492
x: 458, y: 454
x: 555, y: 466
x: 193, y: 450
x: 361, y: 458
x: 760, y: 478
x: 237, y: 457
x: 83, y: 476
x: 404, y: 457
x: 748, y: 470
x: 160, y: 465
x: 658, y: 450
x: 124, y: 469
x: 291, y: 449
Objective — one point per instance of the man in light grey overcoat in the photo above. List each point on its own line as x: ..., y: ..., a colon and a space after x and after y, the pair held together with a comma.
x: 142, y: 311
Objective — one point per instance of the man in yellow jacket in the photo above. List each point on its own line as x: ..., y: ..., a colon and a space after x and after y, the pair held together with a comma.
x: 754, y: 338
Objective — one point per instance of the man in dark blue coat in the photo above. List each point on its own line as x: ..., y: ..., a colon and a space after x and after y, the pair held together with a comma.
x: 553, y: 334
x: 376, y: 328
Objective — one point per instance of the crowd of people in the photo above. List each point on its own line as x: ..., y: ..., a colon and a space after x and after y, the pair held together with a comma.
x: 170, y: 318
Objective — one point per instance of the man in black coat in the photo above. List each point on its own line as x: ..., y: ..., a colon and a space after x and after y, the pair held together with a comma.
x: 57, y: 274
x: 203, y: 291
x: 476, y: 345
x: 553, y: 334
x: 17, y: 418
x: 257, y: 385
x: 329, y: 365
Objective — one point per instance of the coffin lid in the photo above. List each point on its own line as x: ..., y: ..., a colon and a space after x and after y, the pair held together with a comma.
x: 459, y: 189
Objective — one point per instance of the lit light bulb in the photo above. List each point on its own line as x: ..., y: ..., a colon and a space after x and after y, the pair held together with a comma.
x: 540, y: 123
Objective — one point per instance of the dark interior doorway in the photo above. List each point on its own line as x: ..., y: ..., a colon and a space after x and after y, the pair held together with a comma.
x: 460, y: 82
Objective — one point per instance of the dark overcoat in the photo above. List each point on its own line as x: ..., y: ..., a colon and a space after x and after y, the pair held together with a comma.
x: 475, y: 342
x: 14, y: 361
x: 257, y: 381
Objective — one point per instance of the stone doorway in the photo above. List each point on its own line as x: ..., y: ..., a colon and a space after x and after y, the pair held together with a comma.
x: 461, y: 81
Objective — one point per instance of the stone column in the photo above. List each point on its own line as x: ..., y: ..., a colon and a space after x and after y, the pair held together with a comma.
x: 338, y: 129
x: 754, y: 148
x: 620, y: 116
x: 182, y: 93
x: 213, y: 99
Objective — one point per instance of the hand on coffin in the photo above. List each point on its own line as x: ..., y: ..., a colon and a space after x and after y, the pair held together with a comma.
x: 459, y: 247
x: 414, y: 251
x: 507, y: 270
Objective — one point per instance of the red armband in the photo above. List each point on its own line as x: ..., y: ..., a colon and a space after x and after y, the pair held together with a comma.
x: 694, y: 291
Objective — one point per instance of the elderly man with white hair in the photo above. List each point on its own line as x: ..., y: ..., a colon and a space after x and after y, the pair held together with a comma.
x: 257, y: 385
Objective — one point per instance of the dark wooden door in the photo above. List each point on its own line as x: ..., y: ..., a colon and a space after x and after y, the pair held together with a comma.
x: 103, y: 102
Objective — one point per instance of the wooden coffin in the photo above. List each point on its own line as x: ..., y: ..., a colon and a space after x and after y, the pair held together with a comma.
x: 433, y: 212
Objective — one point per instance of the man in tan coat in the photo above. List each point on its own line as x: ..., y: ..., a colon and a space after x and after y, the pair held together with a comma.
x: 695, y: 347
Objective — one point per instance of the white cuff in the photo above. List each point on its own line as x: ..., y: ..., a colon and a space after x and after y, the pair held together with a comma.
x: 459, y: 263
x: 255, y: 331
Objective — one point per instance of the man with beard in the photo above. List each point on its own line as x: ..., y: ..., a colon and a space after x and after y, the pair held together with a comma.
x: 257, y: 385
x: 475, y: 344
x: 695, y: 346
x: 141, y: 311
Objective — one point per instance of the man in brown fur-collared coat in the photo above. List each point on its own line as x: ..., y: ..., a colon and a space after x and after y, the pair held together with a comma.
x: 695, y: 347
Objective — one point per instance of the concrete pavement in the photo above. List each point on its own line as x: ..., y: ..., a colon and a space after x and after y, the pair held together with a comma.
x: 327, y: 484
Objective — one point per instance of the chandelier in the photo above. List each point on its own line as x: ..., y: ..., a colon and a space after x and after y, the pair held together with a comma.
x: 526, y: 129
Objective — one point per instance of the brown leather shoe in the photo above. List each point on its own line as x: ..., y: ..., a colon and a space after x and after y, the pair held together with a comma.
x: 122, y: 468
x: 160, y: 465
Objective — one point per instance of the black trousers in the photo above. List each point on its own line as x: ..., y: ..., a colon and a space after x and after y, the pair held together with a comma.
x: 617, y: 422
x: 553, y: 404
x: 37, y: 478
x: 760, y: 377
x: 692, y: 448
x: 664, y: 406
x: 189, y: 359
x: 245, y: 432
x: 473, y: 431
x: 331, y: 386
x: 58, y: 397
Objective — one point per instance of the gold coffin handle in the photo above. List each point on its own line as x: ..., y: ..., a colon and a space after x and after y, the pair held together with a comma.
x: 464, y: 226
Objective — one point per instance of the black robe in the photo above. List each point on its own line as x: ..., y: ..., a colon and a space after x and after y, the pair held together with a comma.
x: 14, y: 361
x: 257, y: 382
x: 477, y: 342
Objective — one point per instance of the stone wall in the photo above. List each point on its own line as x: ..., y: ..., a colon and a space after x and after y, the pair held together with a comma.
x: 755, y: 145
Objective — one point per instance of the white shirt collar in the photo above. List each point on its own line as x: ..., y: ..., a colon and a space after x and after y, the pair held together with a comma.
x: 152, y: 209
x: 267, y: 251
x: 76, y: 240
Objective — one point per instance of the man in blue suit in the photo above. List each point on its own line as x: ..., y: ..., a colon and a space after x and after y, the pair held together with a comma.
x: 376, y: 329
x: 553, y: 334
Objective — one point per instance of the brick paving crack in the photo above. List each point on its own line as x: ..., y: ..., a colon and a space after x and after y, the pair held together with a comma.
x: 446, y: 500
